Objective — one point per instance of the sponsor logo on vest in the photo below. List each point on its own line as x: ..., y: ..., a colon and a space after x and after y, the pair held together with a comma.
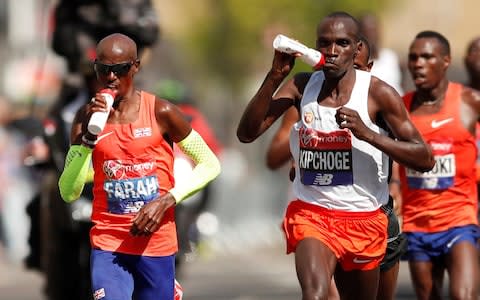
x: 117, y: 169
x: 436, y: 124
x: 308, y: 117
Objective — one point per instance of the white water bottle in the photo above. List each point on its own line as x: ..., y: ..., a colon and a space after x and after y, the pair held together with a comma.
x: 99, y: 119
x: 310, y: 56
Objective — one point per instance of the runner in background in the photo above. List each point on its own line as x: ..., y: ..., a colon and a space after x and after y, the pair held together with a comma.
x: 439, y: 207
x: 387, y: 67
x: 187, y: 213
x: 177, y: 92
x: 386, y: 64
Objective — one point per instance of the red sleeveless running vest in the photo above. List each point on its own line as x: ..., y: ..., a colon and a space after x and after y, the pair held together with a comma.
x: 445, y: 197
x: 133, y: 165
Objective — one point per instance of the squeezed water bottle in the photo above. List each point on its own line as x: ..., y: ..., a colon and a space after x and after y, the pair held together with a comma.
x: 99, y: 119
x: 310, y: 56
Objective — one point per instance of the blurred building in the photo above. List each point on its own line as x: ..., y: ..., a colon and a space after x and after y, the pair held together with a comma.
x: 31, y: 73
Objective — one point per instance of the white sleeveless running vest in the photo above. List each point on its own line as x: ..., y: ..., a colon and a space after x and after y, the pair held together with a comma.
x: 333, y: 168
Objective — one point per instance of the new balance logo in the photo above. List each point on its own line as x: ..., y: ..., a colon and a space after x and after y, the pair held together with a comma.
x: 323, y: 179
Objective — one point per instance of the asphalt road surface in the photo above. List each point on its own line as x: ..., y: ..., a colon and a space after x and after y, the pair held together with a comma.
x: 264, y: 273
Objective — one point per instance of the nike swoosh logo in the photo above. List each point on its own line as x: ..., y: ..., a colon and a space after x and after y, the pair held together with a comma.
x: 361, y: 261
x: 450, y: 244
x: 389, y: 240
x: 436, y: 124
x: 104, y: 136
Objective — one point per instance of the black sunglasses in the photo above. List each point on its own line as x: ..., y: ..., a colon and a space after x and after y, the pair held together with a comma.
x: 119, y: 70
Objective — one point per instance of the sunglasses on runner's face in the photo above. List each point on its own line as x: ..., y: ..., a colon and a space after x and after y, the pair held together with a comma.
x: 119, y: 70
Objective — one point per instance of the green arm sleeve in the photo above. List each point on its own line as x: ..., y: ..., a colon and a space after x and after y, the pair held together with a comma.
x: 90, y: 175
x: 207, y: 166
x: 75, y: 172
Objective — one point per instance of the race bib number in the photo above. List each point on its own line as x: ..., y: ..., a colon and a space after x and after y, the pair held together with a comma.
x: 443, y: 173
x: 325, y: 158
x: 129, y: 195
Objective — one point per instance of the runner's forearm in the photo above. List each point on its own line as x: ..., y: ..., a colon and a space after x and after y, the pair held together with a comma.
x: 75, y: 172
x: 207, y: 166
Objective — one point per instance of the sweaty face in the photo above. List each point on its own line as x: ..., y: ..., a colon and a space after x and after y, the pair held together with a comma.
x: 427, y: 63
x: 472, y: 60
x: 336, y: 40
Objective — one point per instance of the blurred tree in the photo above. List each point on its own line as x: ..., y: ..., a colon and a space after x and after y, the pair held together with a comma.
x: 226, y: 41
x: 226, y: 45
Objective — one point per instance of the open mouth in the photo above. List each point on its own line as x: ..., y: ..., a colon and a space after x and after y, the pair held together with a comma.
x: 330, y: 64
x: 418, y: 75
x: 419, y: 78
x: 330, y: 60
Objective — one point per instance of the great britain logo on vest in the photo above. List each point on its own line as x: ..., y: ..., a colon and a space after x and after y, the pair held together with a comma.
x: 142, y: 132
x: 325, y: 157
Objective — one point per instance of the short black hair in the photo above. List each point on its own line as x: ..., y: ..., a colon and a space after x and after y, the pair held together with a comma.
x: 430, y: 34
x: 472, y: 44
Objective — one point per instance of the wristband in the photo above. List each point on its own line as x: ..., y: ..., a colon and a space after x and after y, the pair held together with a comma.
x: 88, y: 142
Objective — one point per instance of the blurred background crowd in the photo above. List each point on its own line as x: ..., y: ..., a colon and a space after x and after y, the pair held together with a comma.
x: 215, y: 51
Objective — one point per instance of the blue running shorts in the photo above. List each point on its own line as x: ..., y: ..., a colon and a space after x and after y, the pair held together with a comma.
x: 118, y: 276
x: 429, y: 246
